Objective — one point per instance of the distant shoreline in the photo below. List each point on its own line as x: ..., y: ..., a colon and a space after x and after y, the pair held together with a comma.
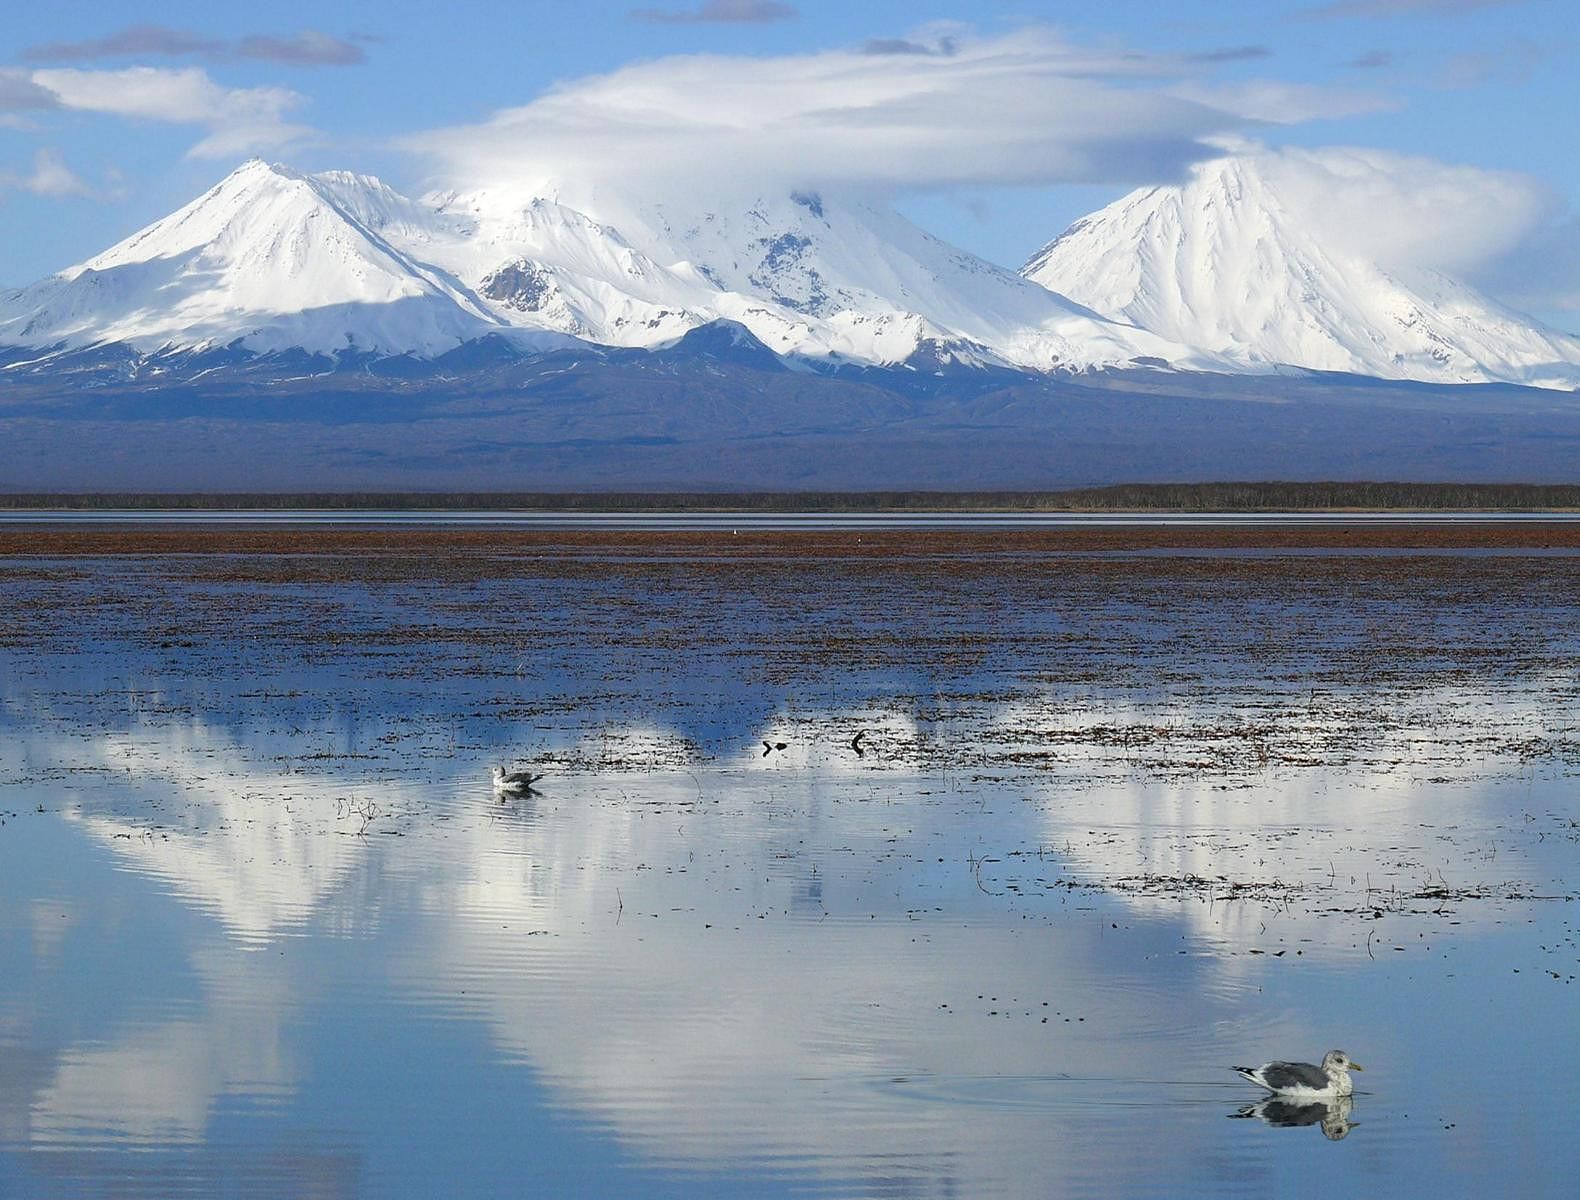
x: 322, y: 551
x: 1229, y: 497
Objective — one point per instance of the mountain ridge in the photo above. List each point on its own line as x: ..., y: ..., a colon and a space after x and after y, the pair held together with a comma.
x: 338, y: 271
x: 273, y: 259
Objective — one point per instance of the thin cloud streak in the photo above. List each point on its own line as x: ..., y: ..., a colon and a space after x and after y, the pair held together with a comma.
x: 1401, y: 8
x: 1274, y: 102
x: 1372, y: 60
x: 308, y: 48
x: 723, y: 12
x: 1230, y: 54
x: 944, y: 46
x: 135, y: 41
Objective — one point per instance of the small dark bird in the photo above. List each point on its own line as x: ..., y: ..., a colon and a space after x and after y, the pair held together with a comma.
x: 855, y: 742
x: 770, y: 747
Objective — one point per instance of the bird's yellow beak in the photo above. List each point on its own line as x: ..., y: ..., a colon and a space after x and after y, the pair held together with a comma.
x: 1355, y: 1066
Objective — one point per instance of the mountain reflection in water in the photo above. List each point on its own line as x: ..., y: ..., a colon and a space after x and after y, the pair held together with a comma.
x: 265, y: 927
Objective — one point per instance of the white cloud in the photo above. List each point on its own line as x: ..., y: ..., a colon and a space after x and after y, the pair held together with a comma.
x: 50, y: 177
x: 1409, y: 212
x: 238, y: 120
x: 1021, y: 108
x: 1542, y: 272
x: 1277, y: 103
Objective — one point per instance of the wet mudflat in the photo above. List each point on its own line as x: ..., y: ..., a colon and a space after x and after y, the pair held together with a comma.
x: 1127, y: 807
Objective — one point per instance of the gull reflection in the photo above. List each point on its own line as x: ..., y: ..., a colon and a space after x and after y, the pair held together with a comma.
x: 1288, y: 1112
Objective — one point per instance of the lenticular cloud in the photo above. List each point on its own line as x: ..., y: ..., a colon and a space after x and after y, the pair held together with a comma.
x: 1022, y: 108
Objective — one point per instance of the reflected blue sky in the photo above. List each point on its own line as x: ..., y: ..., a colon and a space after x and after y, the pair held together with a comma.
x: 272, y: 932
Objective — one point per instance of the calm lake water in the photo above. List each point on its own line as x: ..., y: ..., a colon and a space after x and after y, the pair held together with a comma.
x: 1112, y: 826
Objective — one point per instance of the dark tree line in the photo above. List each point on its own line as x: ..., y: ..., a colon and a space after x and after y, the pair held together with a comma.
x: 1180, y: 497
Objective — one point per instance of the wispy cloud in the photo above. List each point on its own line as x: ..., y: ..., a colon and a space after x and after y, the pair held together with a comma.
x: 1226, y: 54
x: 1025, y: 107
x: 1398, y: 8
x: 724, y: 12
x: 237, y: 120
x: 1278, y: 103
x: 1514, y: 63
x: 135, y: 41
x: 308, y: 48
x: 50, y: 176
x: 944, y: 46
x: 1372, y: 60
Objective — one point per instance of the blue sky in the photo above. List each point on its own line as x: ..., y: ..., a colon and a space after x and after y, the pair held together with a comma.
x: 109, y: 119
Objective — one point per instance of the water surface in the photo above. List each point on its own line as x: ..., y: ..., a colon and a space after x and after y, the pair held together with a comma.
x: 1115, y: 825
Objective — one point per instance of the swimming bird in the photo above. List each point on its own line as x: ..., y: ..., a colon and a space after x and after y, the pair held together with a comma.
x: 770, y: 747
x: 1302, y: 1080
x: 1288, y: 1112
x: 855, y: 742
x: 513, y: 783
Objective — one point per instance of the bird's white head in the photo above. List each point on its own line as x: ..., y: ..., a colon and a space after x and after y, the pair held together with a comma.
x: 1338, y: 1065
x: 499, y: 774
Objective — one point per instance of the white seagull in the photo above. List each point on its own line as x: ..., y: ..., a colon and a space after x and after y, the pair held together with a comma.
x: 513, y: 783
x: 1304, y: 1081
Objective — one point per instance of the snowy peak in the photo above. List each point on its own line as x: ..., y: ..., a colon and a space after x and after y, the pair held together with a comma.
x: 1225, y: 263
x: 268, y: 258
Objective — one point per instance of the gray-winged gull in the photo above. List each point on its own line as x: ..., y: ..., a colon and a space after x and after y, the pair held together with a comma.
x: 1332, y: 1078
x: 514, y: 782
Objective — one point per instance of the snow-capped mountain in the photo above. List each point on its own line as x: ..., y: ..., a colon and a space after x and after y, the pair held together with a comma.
x: 1223, y: 263
x: 1217, y: 275
x: 808, y: 276
x: 272, y: 259
x: 268, y: 257
x: 819, y: 278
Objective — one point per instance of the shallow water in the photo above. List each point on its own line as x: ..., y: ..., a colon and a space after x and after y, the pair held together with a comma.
x: 266, y: 930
